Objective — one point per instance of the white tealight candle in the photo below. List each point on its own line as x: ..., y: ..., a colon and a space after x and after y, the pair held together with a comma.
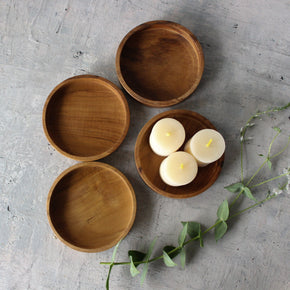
x: 167, y: 136
x: 179, y: 168
x: 206, y: 146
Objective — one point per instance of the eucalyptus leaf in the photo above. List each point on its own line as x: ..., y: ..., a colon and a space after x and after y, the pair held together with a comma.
x: 147, y: 257
x: 115, y: 251
x: 182, y: 235
x: 144, y: 273
x: 136, y: 256
x: 150, y: 250
x: 220, y: 230
x: 167, y: 260
x: 133, y: 269
x: 223, y: 211
x: 249, y: 194
x: 234, y: 187
x: 168, y: 249
x: 182, y: 257
x: 193, y: 229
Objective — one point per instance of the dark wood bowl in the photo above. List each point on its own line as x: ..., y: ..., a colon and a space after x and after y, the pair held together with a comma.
x: 159, y: 63
x: 91, y: 206
x: 86, y: 117
x: 148, y: 163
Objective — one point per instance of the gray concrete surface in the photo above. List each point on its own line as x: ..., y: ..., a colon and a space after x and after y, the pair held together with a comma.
x: 247, y: 67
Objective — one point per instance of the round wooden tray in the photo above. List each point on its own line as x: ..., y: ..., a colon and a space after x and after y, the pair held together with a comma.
x: 159, y: 63
x: 91, y: 206
x: 86, y: 117
x: 148, y: 163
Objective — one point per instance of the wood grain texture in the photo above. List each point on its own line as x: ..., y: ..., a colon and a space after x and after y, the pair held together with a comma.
x: 86, y: 117
x: 247, y: 67
x: 148, y: 163
x: 91, y: 206
x: 160, y: 63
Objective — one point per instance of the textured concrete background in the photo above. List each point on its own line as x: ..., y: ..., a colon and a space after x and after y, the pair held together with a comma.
x: 247, y: 67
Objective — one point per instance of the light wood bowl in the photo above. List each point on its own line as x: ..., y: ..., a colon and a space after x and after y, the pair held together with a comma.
x: 159, y: 63
x: 86, y: 117
x: 91, y: 206
x: 148, y: 163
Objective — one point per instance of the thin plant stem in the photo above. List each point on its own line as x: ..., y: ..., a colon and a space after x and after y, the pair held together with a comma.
x: 191, y: 240
x: 269, y: 180
x: 236, y: 198
x: 283, y: 149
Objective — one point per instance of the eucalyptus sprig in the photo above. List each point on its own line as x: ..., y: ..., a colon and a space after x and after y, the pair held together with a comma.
x: 191, y: 230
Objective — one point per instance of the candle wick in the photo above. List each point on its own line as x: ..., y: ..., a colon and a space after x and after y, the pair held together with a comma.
x: 168, y: 134
x: 209, y: 142
x: 181, y: 166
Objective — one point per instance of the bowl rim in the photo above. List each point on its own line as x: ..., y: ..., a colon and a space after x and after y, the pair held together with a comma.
x: 190, y: 37
x: 111, y: 149
x: 131, y: 192
x: 156, y: 189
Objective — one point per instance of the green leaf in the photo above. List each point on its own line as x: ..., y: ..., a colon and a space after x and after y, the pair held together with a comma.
x: 182, y: 257
x: 182, y: 235
x: 144, y: 273
x: 168, y: 249
x: 220, y: 230
x: 167, y: 260
x: 193, y: 229
x: 261, y: 155
x: 277, y: 129
x: 269, y: 163
x: 115, y: 251
x: 223, y: 211
x: 147, y: 257
x: 249, y: 194
x: 133, y: 269
x: 234, y: 187
x: 136, y: 256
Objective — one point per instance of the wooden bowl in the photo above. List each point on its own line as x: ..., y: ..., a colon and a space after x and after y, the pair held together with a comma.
x: 148, y: 162
x: 159, y: 63
x: 91, y: 206
x: 86, y: 117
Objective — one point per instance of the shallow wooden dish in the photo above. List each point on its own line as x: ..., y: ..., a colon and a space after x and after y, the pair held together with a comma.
x: 159, y: 63
x: 91, y: 206
x: 148, y: 162
x: 86, y: 117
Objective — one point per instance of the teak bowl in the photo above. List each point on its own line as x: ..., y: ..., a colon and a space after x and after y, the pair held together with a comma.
x: 148, y: 163
x: 91, y: 206
x: 86, y: 117
x: 159, y: 63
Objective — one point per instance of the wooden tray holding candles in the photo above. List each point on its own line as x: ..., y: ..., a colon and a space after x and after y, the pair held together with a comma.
x: 148, y: 163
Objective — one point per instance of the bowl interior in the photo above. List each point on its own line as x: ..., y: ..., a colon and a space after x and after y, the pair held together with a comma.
x: 91, y: 206
x: 160, y: 63
x: 86, y: 117
x: 148, y: 162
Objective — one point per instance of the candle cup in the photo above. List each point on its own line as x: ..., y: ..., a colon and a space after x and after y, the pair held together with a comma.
x: 206, y: 146
x: 167, y: 136
x: 178, y: 169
